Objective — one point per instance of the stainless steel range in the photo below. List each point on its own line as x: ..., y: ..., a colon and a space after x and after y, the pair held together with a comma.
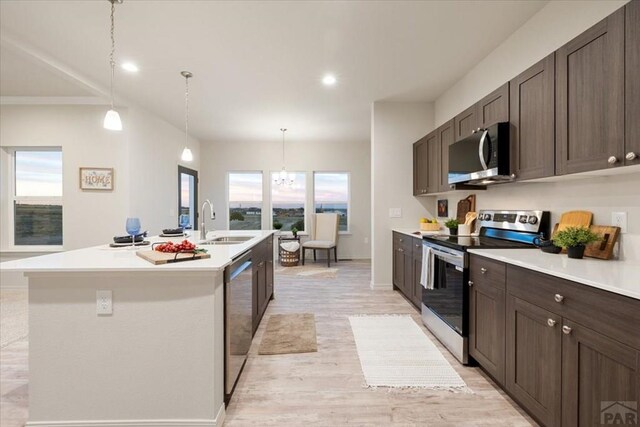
x: 445, y: 307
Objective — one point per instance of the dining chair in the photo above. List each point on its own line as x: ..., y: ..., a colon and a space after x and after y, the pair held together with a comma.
x: 324, y: 236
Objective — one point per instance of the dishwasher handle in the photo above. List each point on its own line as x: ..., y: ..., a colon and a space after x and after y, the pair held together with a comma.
x: 240, y: 264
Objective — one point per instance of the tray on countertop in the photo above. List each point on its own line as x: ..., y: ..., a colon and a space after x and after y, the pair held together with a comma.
x: 158, y: 258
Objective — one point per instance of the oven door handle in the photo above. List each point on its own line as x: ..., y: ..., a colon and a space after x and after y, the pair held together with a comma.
x: 455, y: 259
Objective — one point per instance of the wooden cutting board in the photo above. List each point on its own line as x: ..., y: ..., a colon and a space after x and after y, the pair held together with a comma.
x: 574, y: 219
x: 465, y: 206
x: 157, y: 258
x: 604, y: 248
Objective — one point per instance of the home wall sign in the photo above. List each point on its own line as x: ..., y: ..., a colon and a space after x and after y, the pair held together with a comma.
x: 96, y: 179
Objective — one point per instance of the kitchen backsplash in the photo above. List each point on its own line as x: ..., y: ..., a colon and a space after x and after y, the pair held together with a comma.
x: 600, y: 195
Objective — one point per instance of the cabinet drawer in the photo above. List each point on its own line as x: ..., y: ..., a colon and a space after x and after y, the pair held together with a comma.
x: 484, y: 271
x: 416, y: 245
x: 615, y: 316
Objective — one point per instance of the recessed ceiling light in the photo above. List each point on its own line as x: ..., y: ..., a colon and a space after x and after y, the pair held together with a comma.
x: 329, y: 80
x: 129, y: 66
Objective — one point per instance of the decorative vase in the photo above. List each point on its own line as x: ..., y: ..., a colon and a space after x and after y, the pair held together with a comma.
x: 576, y: 252
x: 453, y: 231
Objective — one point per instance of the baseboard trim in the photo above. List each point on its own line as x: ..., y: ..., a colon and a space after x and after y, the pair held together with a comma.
x: 217, y: 422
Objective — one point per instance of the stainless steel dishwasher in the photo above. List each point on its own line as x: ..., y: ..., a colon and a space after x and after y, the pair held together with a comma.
x: 238, y: 318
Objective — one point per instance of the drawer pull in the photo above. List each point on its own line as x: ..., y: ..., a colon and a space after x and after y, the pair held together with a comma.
x: 400, y: 250
x: 483, y: 270
x: 566, y: 330
x: 551, y: 322
x: 401, y: 240
x: 558, y: 298
x: 470, y: 283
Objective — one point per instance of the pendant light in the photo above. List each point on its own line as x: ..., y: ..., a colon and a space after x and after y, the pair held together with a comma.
x: 187, y: 155
x: 284, y: 178
x: 112, y: 118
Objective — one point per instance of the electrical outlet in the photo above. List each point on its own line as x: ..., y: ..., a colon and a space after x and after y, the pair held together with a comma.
x: 104, y: 302
x: 395, y: 212
x: 619, y: 219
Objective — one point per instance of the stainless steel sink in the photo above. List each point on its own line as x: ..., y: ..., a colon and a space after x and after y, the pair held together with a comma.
x: 227, y: 240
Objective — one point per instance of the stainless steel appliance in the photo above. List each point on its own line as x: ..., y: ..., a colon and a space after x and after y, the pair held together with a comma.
x: 445, y: 308
x: 481, y: 158
x: 238, y: 318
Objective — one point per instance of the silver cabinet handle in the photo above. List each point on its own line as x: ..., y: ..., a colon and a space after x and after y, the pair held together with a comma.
x: 566, y: 330
x: 558, y: 298
x: 551, y: 322
x: 400, y: 250
x: 483, y: 270
x: 401, y: 240
x: 470, y: 283
x: 631, y: 156
x: 612, y: 160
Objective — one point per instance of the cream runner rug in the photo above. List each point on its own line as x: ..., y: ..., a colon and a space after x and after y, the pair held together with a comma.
x: 395, y: 352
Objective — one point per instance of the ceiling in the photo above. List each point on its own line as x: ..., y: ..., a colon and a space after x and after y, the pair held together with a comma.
x: 257, y: 65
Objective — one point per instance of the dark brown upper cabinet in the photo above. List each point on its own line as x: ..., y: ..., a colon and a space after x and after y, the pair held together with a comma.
x: 465, y: 122
x: 420, y: 165
x: 532, y: 139
x: 433, y: 167
x: 632, y: 83
x: 590, y: 98
x: 494, y: 107
x: 445, y: 138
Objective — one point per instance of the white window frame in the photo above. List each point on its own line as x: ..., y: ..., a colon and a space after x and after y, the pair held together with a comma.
x: 12, y: 198
x: 262, y: 221
x: 306, y: 201
x: 313, y: 178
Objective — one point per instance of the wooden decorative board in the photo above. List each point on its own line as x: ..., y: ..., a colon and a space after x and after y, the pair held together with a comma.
x: 157, y: 258
x: 604, y: 248
x: 574, y: 219
x: 465, y: 206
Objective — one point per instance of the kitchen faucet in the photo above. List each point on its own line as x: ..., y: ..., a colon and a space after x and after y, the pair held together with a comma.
x: 203, y: 230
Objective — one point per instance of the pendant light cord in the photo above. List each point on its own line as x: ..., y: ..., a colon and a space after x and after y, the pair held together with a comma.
x: 112, y: 62
x: 283, y: 131
x: 186, y: 112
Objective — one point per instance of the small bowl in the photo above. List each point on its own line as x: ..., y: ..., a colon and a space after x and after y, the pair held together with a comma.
x: 551, y: 249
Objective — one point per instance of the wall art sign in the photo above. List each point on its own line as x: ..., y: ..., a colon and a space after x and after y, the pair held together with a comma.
x: 96, y: 179
x: 443, y: 207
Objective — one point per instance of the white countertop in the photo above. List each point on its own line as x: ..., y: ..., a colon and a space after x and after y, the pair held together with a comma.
x: 620, y: 277
x: 113, y: 260
x: 414, y: 232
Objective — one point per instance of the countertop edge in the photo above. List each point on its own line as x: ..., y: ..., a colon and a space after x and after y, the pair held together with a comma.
x: 555, y: 273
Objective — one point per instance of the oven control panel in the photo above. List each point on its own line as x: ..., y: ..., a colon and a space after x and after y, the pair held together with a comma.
x: 530, y: 221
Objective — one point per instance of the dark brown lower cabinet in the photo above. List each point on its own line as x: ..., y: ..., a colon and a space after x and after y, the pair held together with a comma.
x: 487, y: 328
x: 407, y: 266
x: 600, y: 377
x: 534, y: 354
x: 568, y: 352
x: 262, y: 279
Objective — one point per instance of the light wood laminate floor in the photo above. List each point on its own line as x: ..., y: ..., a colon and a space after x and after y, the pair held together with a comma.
x: 326, y: 388
x: 323, y: 388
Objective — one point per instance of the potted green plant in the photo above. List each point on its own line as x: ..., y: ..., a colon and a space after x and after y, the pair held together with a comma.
x: 574, y: 239
x: 452, y: 225
x: 294, y: 231
x: 277, y: 225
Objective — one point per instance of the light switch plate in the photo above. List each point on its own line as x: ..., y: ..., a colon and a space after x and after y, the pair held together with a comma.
x: 395, y: 212
x: 104, y: 302
x: 619, y: 219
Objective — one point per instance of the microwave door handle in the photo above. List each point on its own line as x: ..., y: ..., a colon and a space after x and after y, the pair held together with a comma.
x: 481, y: 150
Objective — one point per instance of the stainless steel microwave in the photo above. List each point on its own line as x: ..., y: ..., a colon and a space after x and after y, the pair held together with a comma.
x: 481, y: 158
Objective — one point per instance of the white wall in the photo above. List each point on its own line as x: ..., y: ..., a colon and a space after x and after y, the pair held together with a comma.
x: 553, y: 26
x: 145, y: 158
x: 395, y: 127
x: 348, y: 156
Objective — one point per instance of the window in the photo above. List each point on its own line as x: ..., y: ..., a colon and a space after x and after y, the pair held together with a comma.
x: 288, y: 202
x: 37, y: 197
x: 245, y: 200
x: 187, y: 198
x: 331, y: 194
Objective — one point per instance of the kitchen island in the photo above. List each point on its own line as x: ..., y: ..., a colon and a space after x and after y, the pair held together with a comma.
x: 157, y: 359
